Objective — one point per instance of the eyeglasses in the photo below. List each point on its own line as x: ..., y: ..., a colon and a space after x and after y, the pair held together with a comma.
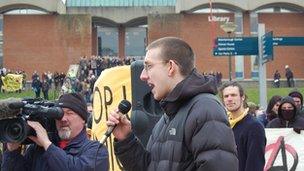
x: 148, y: 66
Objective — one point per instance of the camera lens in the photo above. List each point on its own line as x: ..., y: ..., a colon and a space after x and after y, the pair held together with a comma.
x: 14, y: 130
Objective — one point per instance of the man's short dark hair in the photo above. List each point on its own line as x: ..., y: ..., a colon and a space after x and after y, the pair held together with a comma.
x: 173, y: 48
x: 234, y: 84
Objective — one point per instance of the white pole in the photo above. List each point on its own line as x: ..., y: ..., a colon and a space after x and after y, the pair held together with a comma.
x: 262, y: 69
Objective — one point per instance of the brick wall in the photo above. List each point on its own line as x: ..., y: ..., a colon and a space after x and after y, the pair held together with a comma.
x: 45, y: 42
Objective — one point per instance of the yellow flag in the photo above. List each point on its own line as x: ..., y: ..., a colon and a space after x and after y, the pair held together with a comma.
x: 12, y: 82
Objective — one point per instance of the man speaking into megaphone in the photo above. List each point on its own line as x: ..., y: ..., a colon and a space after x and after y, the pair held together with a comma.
x: 194, y: 132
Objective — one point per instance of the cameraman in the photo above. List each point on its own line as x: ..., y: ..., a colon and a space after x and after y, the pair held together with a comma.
x: 74, y: 150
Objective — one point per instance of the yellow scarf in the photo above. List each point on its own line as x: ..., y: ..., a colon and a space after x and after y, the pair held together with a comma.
x: 233, y: 122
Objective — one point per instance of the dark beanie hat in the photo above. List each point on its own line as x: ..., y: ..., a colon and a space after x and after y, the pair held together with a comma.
x: 296, y: 94
x: 75, y: 102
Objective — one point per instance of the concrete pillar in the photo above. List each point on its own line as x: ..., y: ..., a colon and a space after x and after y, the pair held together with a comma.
x: 94, y: 41
x: 253, y: 32
x: 239, y: 60
x: 277, y: 9
x: 121, y: 41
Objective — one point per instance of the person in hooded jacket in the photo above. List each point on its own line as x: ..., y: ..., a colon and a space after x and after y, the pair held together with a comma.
x: 194, y: 132
x: 298, y: 99
x: 287, y: 116
x: 271, y: 111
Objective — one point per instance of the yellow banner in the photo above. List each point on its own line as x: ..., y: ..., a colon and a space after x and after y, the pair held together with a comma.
x: 112, y: 86
x: 72, y: 72
x: 12, y: 82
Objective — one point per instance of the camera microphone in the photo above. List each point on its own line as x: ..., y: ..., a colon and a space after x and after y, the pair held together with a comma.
x: 17, y: 104
x: 123, y: 107
x: 9, y: 108
x: 51, y: 112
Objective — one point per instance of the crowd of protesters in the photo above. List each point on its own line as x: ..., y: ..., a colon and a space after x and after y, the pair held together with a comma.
x: 282, y: 111
x: 89, y: 70
x: 218, y: 76
x: 45, y: 83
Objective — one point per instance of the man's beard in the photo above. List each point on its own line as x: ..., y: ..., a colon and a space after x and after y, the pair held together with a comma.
x: 235, y: 110
x: 64, y: 133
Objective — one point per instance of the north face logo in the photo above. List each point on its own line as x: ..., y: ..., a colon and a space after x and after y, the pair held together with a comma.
x: 172, y: 131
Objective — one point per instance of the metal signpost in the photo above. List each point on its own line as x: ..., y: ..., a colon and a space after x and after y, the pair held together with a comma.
x: 262, y: 69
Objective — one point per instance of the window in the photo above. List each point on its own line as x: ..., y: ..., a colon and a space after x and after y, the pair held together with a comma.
x: 25, y: 11
x: 135, y: 41
x: 107, y: 41
x: 214, y: 10
x: 276, y: 10
x: 254, y: 24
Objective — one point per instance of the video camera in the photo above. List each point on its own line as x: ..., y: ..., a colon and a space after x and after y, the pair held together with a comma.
x: 14, y: 114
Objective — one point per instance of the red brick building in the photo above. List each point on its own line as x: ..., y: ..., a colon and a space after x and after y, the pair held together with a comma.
x: 53, y: 41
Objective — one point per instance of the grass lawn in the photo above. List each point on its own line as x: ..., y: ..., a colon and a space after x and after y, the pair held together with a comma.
x: 27, y: 94
x: 252, y: 93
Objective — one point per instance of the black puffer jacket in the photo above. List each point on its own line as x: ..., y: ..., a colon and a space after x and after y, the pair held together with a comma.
x: 296, y: 121
x: 204, y: 142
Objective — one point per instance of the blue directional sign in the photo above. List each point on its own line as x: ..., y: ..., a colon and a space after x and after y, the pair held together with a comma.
x: 236, y: 46
x: 288, y: 41
x: 267, y: 46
